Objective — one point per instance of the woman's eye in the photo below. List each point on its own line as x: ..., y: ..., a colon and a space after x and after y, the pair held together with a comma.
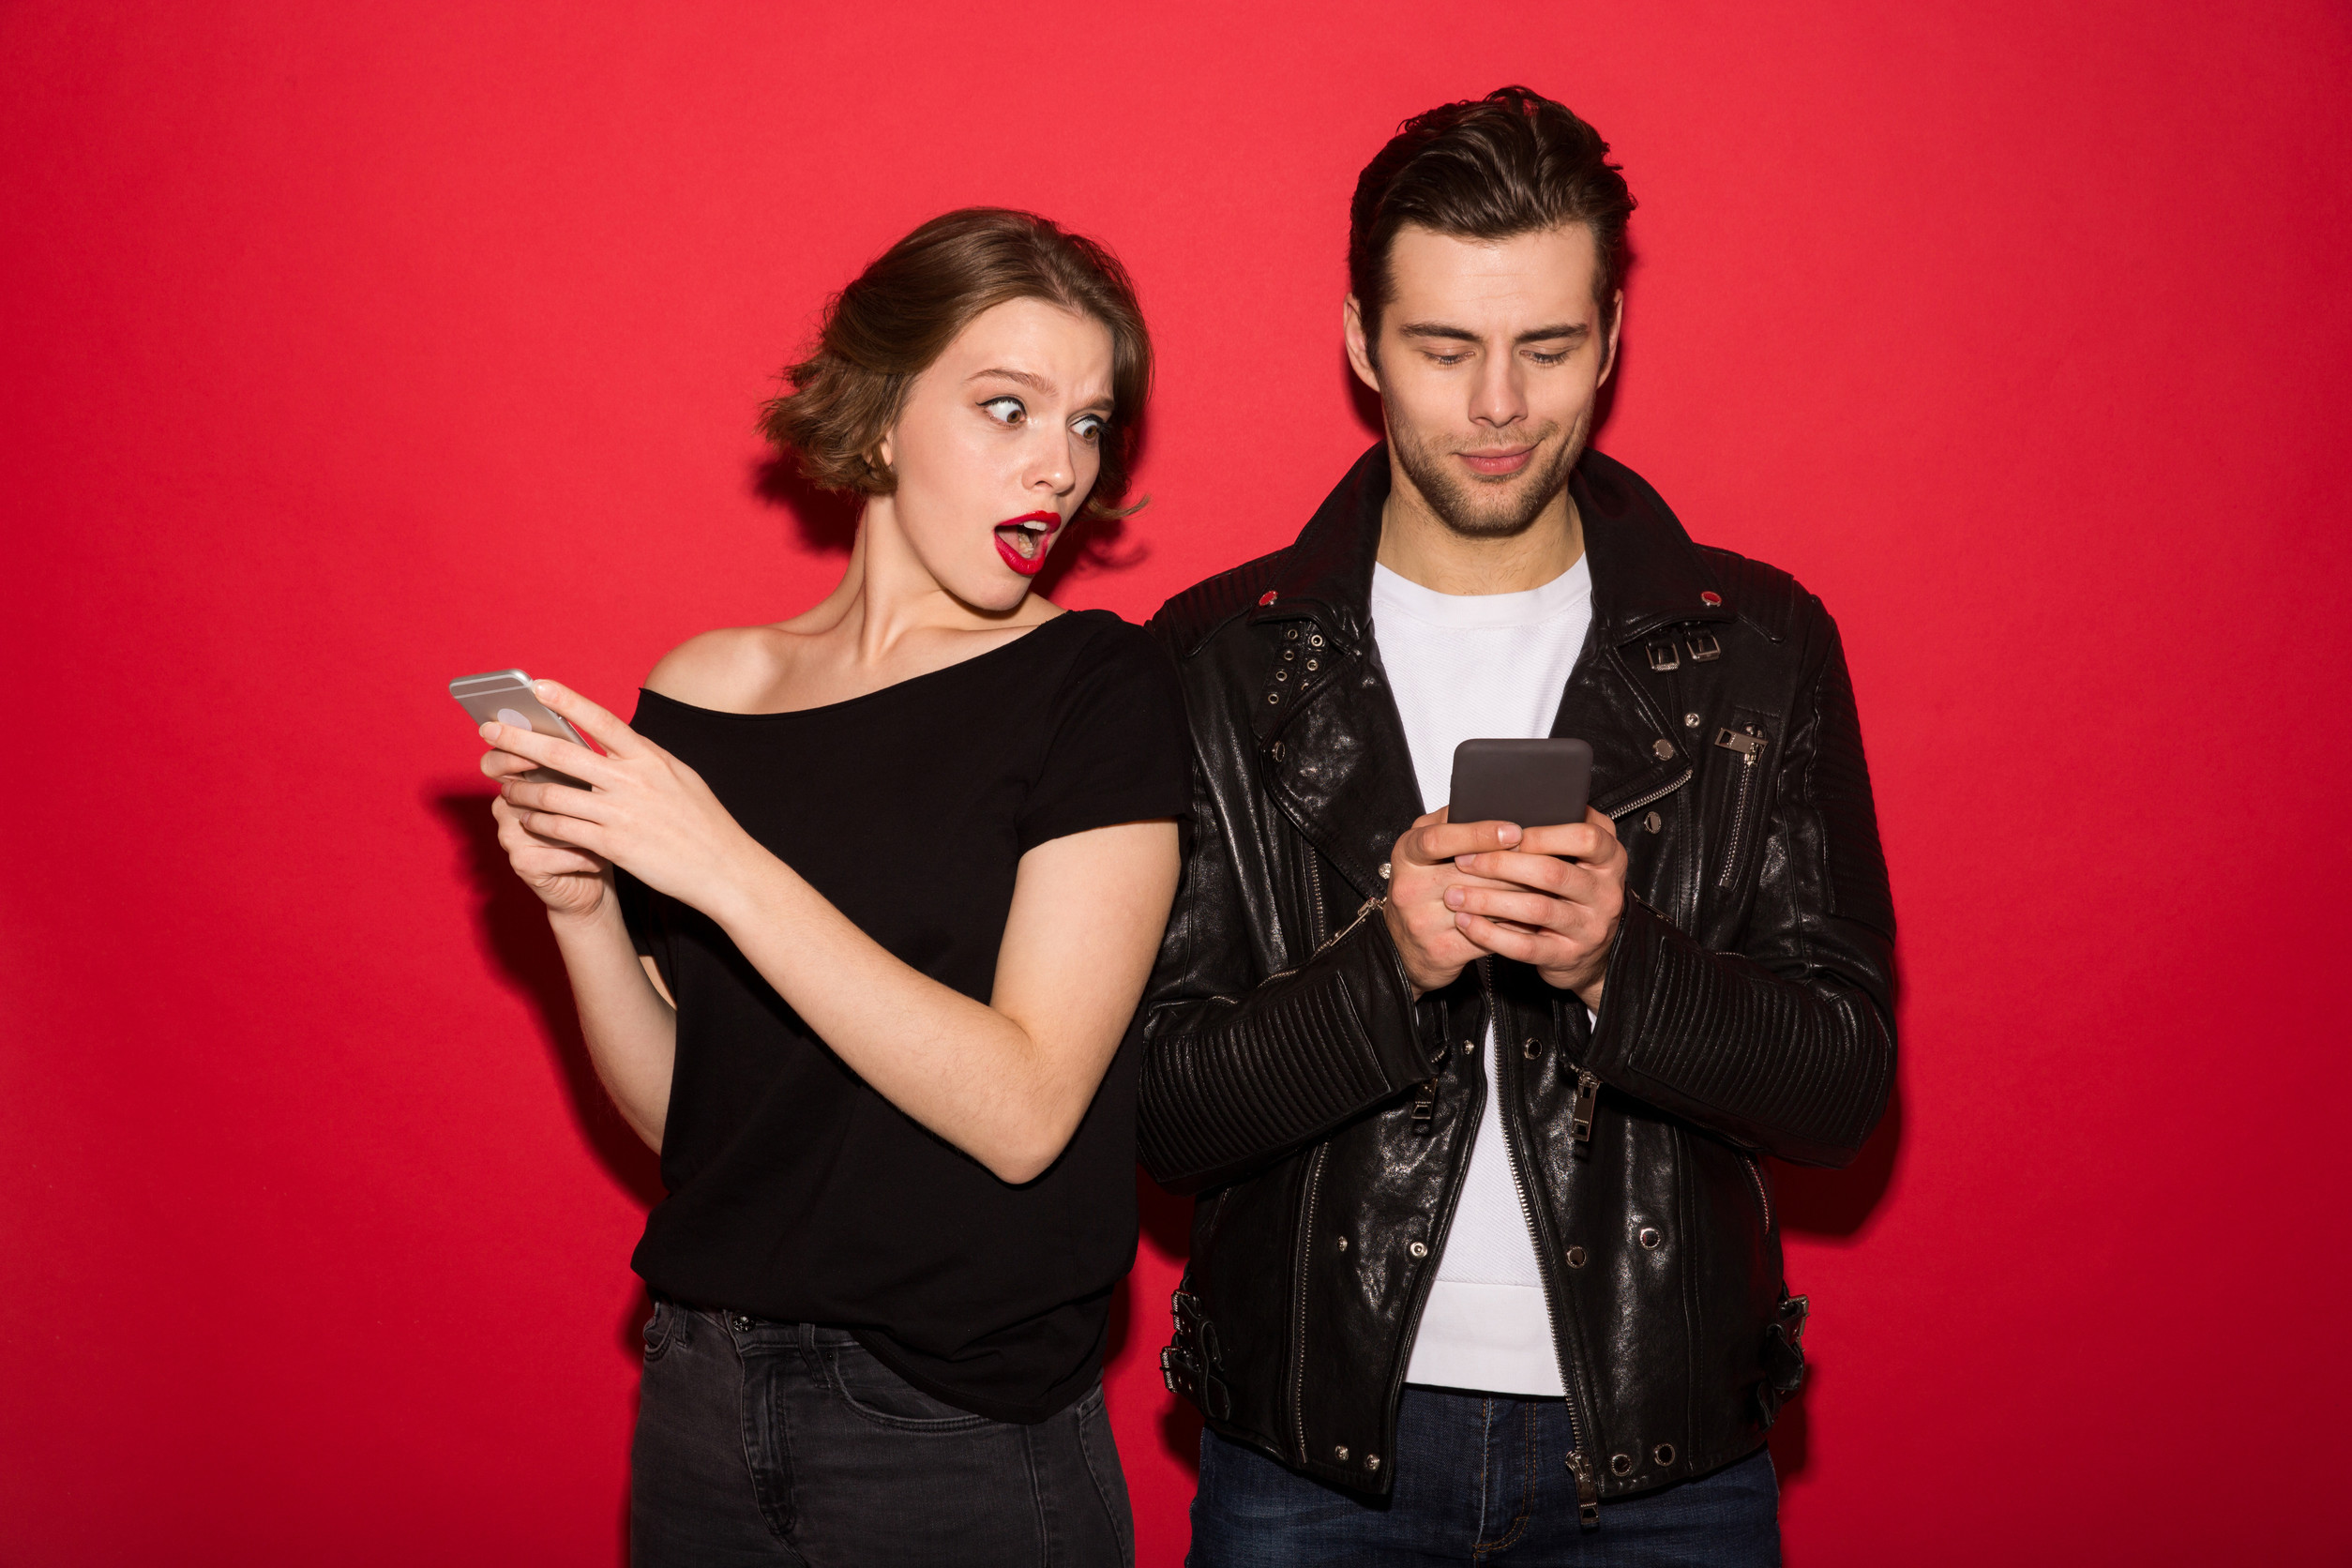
x: 1005, y: 411
x: 1090, y: 428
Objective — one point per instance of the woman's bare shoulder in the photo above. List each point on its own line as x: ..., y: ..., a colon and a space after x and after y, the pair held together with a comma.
x: 730, y: 670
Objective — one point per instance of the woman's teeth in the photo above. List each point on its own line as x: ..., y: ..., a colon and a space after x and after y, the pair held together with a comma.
x: 1027, y: 539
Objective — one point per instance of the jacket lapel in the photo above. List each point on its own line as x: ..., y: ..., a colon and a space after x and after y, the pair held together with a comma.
x: 1646, y: 578
x: 1333, y: 751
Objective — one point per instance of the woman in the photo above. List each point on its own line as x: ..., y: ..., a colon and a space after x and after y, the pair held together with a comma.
x: 893, y: 872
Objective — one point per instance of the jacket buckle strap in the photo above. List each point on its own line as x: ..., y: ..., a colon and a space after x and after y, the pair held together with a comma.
x: 1703, y: 647
x: 1189, y: 1365
x: 1663, y: 657
x: 1784, y: 1357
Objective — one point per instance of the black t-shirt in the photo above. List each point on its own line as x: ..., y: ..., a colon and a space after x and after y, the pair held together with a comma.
x: 798, y: 1192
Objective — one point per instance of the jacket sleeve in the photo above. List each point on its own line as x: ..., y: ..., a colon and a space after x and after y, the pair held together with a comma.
x: 1788, y: 1044
x: 1239, y: 1067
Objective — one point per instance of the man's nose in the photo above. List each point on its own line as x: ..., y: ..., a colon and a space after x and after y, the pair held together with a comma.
x: 1499, y: 398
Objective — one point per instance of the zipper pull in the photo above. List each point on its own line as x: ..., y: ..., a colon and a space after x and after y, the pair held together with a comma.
x: 1588, y: 1492
x: 1580, y: 1114
x: 1746, y: 746
x: 1424, y: 1107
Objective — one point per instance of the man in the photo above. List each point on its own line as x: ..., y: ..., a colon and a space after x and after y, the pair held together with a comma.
x: 1485, y: 1253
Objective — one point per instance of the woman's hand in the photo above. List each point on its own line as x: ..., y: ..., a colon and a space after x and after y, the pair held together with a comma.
x: 646, y: 811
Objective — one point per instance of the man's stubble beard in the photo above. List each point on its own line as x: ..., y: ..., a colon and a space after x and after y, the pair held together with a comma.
x: 1476, y: 510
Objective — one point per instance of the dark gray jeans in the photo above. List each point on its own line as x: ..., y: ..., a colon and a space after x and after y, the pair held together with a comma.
x: 766, y: 1442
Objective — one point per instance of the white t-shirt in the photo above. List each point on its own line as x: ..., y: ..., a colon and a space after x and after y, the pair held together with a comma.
x: 1465, y: 667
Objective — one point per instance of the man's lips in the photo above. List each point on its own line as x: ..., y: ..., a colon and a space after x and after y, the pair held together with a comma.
x: 1031, y: 532
x: 1502, y: 461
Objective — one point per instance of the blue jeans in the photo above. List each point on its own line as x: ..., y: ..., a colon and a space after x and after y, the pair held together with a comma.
x: 1480, y: 1478
x: 789, y: 1444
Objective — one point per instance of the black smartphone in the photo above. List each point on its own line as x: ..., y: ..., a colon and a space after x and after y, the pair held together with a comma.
x: 1534, y: 783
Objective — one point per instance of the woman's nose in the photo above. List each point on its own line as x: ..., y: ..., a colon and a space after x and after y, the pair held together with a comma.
x: 1053, y: 469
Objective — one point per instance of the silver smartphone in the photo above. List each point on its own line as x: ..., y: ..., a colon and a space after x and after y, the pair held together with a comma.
x: 504, y: 695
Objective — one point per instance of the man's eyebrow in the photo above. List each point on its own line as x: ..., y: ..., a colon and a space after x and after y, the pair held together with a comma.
x: 1463, y: 334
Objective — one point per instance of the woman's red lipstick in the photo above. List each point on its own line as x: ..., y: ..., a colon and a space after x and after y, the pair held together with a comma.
x: 1038, y: 527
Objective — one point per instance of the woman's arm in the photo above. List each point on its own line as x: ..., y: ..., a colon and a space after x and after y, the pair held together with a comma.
x: 1006, y: 1081
x: 625, y: 1014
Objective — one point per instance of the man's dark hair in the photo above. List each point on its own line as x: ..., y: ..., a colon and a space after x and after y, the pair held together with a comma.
x: 1513, y: 162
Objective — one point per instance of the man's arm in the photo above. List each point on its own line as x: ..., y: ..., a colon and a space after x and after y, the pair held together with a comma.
x: 1241, y: 1067
x: 1787, y: 1046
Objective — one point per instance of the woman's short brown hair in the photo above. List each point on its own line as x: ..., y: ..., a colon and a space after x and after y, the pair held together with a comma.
x: 903, y: 310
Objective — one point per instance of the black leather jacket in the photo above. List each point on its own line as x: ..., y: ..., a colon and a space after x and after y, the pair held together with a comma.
x: 1325, y: 1118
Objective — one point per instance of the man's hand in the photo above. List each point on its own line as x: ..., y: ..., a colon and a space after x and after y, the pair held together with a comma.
x: 1421, y: 872
x: 1525, y: 903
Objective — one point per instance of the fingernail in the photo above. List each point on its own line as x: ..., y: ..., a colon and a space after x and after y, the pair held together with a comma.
x: 1510, y: 833
x: 490, y: 728
x: 542, y: 689
x: 1454, y: 896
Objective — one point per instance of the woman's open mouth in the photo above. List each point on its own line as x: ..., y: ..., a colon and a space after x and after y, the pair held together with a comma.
x: 1022, y: 541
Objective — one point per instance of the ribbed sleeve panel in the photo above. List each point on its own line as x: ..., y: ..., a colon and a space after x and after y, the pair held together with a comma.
x: 1230, y: 1085
x: 1800, y: 1067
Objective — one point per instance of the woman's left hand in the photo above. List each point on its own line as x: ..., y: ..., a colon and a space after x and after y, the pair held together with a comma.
x: 648, y: 813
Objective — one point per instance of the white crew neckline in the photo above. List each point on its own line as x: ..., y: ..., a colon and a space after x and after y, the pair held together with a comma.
x: 1477, y: 612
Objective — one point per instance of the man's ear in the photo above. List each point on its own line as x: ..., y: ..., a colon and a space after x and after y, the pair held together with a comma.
x: 1359, y: 348
x: 1617, y: 319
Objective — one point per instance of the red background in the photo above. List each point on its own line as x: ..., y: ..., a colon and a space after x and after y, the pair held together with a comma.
x: 348, y: 349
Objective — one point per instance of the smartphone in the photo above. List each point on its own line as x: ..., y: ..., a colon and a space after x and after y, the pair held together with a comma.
x: 1534, y: 783
x: 504, y: 695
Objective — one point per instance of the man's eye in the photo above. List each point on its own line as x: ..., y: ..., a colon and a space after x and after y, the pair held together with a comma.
x: 1005, y: 411
x: 1548, y: 358
x: 1448, y: 359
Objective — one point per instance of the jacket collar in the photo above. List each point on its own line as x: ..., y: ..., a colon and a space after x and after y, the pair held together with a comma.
x: 1646, y: 572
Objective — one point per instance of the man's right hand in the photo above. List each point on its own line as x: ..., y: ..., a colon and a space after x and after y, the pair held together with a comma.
x: 1420, y: 868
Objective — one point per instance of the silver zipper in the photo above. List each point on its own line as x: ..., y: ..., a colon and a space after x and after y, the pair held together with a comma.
x: 1306, y: 1261
x: 1580, y: 1462
x: 1580, y: 1112
x: 1336, y: 937
x: 1748, y: 747
x: 1756, y: 1173
x: 1659, y: 793
x: 1315, y: 891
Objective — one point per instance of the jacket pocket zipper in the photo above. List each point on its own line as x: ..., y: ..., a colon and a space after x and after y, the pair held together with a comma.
x: 1763, y: 1195
x: 1749, y: 746
x: 1314, y: 897
x: 1307, y: 1263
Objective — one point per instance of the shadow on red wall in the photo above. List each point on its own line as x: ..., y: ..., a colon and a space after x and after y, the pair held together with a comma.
x: 510, y: 928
